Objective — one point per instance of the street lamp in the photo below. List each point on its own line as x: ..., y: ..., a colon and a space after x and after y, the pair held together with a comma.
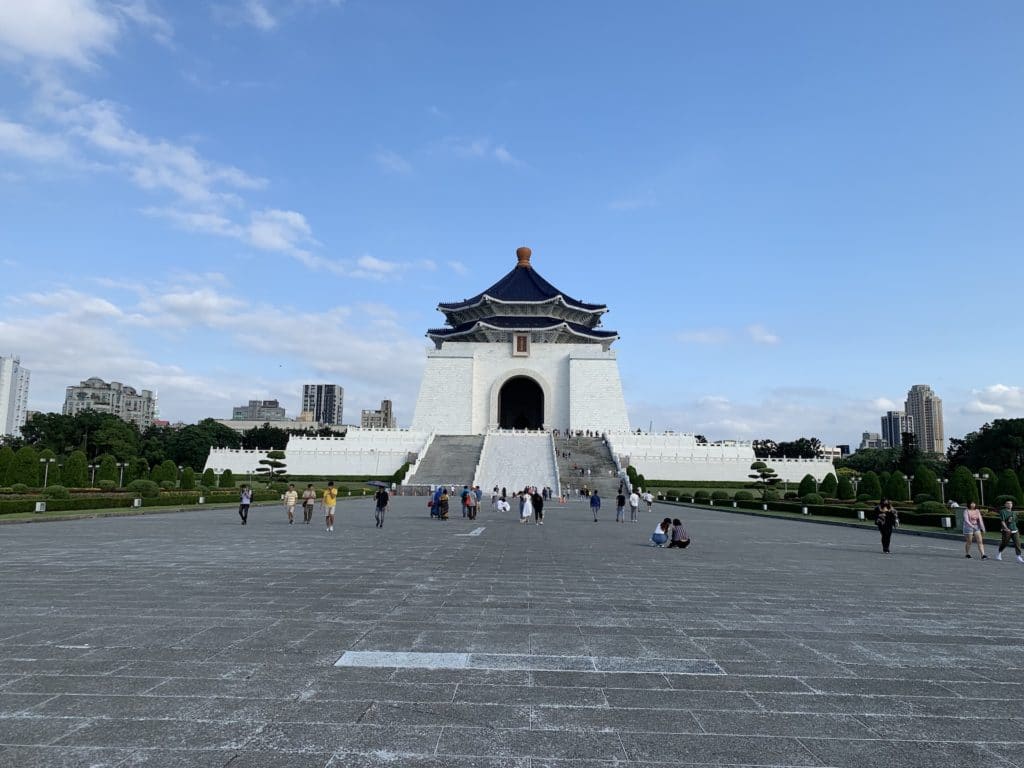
x: 910, y: 494
x: 92, y: 477
x: 942, y: 488
x: 120, y: 481
x: 856, y: 484
x: 180, y: 469
x: 46, y: 469
x: 981, y: 481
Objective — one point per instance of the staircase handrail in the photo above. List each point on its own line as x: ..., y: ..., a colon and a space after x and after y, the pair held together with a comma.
x: 554, y: 458
x: 415, y: 465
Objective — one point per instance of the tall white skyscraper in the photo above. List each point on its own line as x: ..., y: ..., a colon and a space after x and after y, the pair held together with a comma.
x: 13, y: 395
x: 925, y: 408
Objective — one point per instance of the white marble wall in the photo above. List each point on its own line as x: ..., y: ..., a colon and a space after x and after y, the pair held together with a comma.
x: 515, y: 460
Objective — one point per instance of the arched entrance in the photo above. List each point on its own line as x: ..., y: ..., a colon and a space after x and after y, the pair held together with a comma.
x: 521, y: 404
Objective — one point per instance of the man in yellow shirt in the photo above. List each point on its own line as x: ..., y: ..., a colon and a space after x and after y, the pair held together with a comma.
x: 330, y: 500
x: 291, y: 497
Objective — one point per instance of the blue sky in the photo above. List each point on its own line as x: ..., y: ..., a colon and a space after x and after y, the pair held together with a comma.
x: 795, y: 210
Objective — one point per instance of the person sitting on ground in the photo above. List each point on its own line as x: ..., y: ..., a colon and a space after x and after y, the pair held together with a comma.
x: 661, y: 533
x: 680, y: 538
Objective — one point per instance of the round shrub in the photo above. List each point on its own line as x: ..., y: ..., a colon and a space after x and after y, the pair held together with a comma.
x: 147, y: 489
x: 743, y: 496
x: 19, y: 488
x: 931, y: 508
x: 771, y: 495
x: 106, y: 485
x: 674, y: 494
x: 790, y: 495
x: 1000, y: 500
x: 702, y: 495
x: 864, y: 497
x: 56, y: 492
x: 168, y: 485
x: 921, y: 498
x: 812, y: 498
x: 6, y: 489
x: 720, y: 495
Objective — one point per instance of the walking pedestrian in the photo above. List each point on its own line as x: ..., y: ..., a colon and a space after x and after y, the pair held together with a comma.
x: 648, y: 498
x: 974, y: 530
x: 1008, y: 527
x: 381, y: 498
x: 245, y: 499
x: 595, y: 504
x: 886, y: 520
x: 330, y: 500
x: 291, y: 497
x: 620, y: 507
x: 526, y: 507
x: 634, y: 505
x: 538, y: 507
x: 471, y: 505
x: 464, y: 500
x: 308, y: 502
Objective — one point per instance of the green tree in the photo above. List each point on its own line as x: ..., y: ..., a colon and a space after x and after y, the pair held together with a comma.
x: 117, y: 438
x: 188, y: 479
x: 76, y: 470
x: 1009, y: 485
x: 6, y: 460
x: 925, y: 481
x: 107, y: 469
x: 896, y: 487
x: 807, y: 485
x: 763, y: 477
x: 209, y: 479
x: 801, y: 448
x: 765, y: 449
x: 167, y: 471
x: 999, y: 444
x: 962, y: 488
x: 829, y: 486
x: 265, y: 438
x: 49, y: 470
x: 273, y: 467
x: 870, y: 485
x: 138, y: 469
x: 871, y: 460
x: 844, y: 488
x: 227, y: 479
x: 910, y: 454
x: 25, y: 467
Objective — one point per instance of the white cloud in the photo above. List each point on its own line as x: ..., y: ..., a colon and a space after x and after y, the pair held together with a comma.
x: 503, y: 156
x: 392, y: 162
x: 458, y: 267
x: 68, y: 31
x: 997, y: 400
x: 762, y: 335
x: 274, y: 230
x: 704, y: 336
x: 23, y: 141
x: 482, y: 148
x: 883, y: 404
x: 257, y: 14
x: 140, y: 12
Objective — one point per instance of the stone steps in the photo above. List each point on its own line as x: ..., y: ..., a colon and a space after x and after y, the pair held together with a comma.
x: 588, y: 453
x: 450, y: 460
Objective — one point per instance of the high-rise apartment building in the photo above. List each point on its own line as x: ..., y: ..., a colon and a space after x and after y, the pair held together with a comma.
x: 870, y: 440
x: 924, y: 407
x: 127, y: 403
x: 324, y: 402
x: 894, y: 424
x: 13, y: 396
x: 383, y: 418
x: 258, y: 410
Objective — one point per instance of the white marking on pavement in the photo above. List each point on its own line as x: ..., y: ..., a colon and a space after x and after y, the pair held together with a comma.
x: 403, y: 659
x: 474, y: 532
x: 528, y: 662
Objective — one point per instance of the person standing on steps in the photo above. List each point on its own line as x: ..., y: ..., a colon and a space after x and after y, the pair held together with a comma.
x: 620, y: 507
x: 308, y: 502
x: 1008, y: 527
x: 538, y: 507
x: 291, y: 497
x: 634, y: 505
x: 381, y: 497
x: 595, y: 504
x: 330, y: 501
x: 244, y: 500
x: 886, y: 520
x: 974, y: 530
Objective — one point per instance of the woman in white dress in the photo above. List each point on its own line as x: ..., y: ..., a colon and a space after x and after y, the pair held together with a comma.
x: 527, y: 507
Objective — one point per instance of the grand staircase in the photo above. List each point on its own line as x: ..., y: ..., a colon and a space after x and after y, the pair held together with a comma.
x: 587, y: 453
x: 516, y: 460
x: 450, y: 460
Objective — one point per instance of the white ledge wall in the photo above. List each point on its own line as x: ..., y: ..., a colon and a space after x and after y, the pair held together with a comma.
x: 515, y: 460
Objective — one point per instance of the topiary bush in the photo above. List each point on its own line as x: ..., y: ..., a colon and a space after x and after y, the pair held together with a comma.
x: 720, y: 495
x: 807, y: 485
x: 931, y: 508
x: 743, y: 496
x: 864, y: 497
x: 790, y: 495
x: 227, y: 479
x: 921, y: 498
x: 147, y: 489
x: 6, y: 489
x: 1000, y: 500
x: 106, y: 485
x: 168, y: 485
x: 771, y: 495
x: 829, y: 486
x: 56, y: 492
x: 702, y: 495
x: 812, y: 498
x: 19, y: 488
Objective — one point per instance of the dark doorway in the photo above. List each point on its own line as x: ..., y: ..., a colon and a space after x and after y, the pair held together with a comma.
x: 521, y: 404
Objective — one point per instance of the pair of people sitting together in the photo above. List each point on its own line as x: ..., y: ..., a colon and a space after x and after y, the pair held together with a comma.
x: 672, y: 533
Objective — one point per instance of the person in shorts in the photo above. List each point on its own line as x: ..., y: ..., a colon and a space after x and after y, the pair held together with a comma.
x: 974, y: 530
x: 308, y: 502
x: 330, y: 501
x: 291, y: 497
x: 648, y: 498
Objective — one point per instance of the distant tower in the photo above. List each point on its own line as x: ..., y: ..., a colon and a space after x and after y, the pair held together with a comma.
x: 894, y: 424
x: 13, y: 396
x: 325, y: 401
x: 924, y: 408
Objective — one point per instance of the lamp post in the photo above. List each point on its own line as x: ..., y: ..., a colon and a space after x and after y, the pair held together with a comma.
x: 120, y: 480
x: 942, y: 489
x: 46, y: 469
x: 180, y: 469
x: 855, y: 479
x: 92, y: 477
x: 910, y: 494
x: 981, y: 481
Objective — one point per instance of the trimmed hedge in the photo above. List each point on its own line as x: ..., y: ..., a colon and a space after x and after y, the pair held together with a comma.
x: 124, y: 501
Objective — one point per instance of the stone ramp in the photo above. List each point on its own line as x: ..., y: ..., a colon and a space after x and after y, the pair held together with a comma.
x: 587, y: 453
x: 515, y: 460
x: 450, y: 460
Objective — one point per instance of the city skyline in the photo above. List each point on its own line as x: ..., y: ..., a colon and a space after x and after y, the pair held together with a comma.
x: 737, y: 188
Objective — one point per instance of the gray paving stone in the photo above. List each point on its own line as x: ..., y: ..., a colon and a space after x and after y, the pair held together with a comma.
x: 28, y: 730
x: 717, y: 750
x: 62, y: 757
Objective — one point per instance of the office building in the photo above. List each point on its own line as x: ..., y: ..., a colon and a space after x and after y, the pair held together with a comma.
x: 258, y: 410
x: 127, y: 403
x: 323, y: 402
x: 894, y: 424
x: 925, y: 408
x: 871, y: 440
x: 13, y: 396
x: 382, y: 418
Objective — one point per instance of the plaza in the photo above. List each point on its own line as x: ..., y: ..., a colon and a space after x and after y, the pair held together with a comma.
x: 186, y: 640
